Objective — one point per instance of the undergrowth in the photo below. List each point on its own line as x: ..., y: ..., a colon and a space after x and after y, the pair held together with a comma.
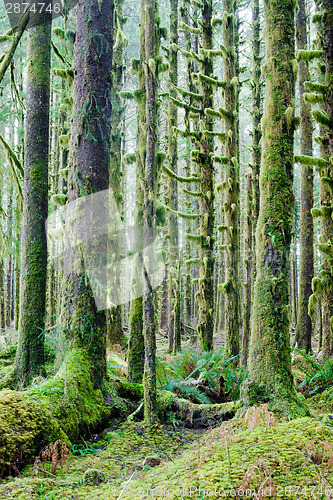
x: 194, y: 365
x: 317, y: 375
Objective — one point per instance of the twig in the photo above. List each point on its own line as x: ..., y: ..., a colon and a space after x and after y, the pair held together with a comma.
x: 122, y: 491
x: 46, y: 472
x: 130, y: 417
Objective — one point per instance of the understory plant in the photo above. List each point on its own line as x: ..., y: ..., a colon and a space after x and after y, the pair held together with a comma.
x: 318, y: 375
x: 194, y: 365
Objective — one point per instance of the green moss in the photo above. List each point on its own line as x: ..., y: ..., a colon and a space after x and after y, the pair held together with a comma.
x: 74, y: 402
x: 219, y: 461
x: 26, y: 426
x: 59, y: 199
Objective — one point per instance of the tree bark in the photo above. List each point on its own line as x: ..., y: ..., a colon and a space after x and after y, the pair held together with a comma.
x: 269, y: 359
x: 173, y: 258
x: 232, y: 203
x: 30, y: 352
x: 89, y: 160
x: 304, y: 324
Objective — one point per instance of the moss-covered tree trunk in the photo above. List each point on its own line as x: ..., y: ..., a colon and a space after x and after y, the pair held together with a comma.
x: 30, y: 352
x: 2, y: 297
x: 115, y: 333
x: 269, y: 359
x: 17, y: 267
x: 204, y: 159
x: 304, y: 324
x: 89, y: 173
x: 9, y: 274
x: 248, y: 266
x: 2, y: 286
x: 173, y: 257
x: 256, y: 120
x: 135, y: 356
x: 232, y: 204
x: 150, y: 67
x: 190, y: 68
x: 327, y: 180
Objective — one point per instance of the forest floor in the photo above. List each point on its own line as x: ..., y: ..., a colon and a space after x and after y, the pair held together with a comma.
x: 258, y: 455
x: 251, y: 457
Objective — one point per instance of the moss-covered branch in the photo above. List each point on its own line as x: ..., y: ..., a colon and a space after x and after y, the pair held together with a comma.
x: 309, y: 55
x: 179, y: 177
x: 310, y: 160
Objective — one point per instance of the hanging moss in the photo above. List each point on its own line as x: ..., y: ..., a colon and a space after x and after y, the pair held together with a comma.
x: 190, y: 29
x: 129, y: 159
x: 59, y: 199
x: 322, y: 118
x: 316, y: 87
x: 59, y: 32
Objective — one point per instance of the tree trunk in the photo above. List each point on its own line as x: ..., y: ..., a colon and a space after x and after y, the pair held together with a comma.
x: 269, y: 358
x: 149, y: 323
x: 249, y: 252
x: 89, y: 174
x: 304, y: 324
x: 232, y: 204
x: 174, y: 257
x: 204, y: 159
x: 135, y: 356
x: 30, y: 352
x: 115, y: 332
x: 256, y: 122
x: 9, y: 274
x: 327, y: 180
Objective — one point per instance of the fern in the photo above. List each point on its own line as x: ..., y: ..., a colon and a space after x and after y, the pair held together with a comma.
x: 318, y: 376
x: 202, y: 365
x: 186, y: 390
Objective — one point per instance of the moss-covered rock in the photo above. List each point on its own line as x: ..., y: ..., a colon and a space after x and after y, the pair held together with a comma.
x: 26, y: 426
x: 94, y: 477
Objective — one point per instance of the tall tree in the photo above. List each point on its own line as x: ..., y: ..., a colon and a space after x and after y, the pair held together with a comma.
x: 269, y: 358
x: 319, y: 93
x: 304, y: 324
x: 9, y: 276
x: 30, y: 352
x: 256, y: 117
x: 253, y: 206
x: 326, y: 121
x: 174, y: 285
x: 232, y: 203
x: 248, y: 267
x: 152, y: 36
x: 89, y: 174
x: 135, y: 356
x: 115, y: 332
x: 204, y: 159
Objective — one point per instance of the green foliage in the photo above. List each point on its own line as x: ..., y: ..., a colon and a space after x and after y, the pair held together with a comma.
x: 318, y: 375
x: 81, y: 452
x: 46, y: 496
x: 186, y: 391
x: 199, y: 365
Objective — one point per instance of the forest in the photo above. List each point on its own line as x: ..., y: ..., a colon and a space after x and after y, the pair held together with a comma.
x: 166, y: 249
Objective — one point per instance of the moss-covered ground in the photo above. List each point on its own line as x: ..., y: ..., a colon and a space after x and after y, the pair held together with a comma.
x: 254, y: 456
